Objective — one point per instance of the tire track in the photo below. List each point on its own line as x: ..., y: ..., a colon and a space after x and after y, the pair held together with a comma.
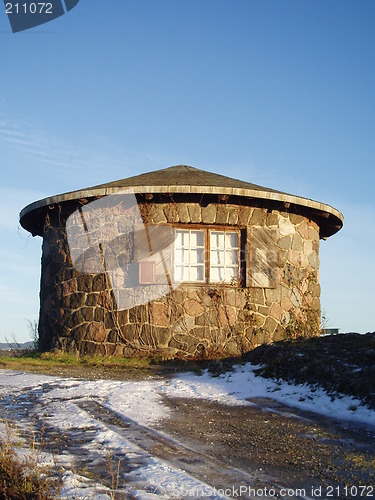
x: 215, y: 473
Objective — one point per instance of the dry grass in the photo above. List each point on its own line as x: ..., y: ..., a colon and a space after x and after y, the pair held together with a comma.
x: 66, y: 364
x: 23, y: 478
x: 341, y: 364
x: 25, y: 475
x: 93, y: 367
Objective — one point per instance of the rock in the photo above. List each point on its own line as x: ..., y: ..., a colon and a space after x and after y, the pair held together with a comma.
x: 209, y: 214
x: 193, y: 308
x: 159, y: 314
x: 96, y: 332
x: 285, y: 226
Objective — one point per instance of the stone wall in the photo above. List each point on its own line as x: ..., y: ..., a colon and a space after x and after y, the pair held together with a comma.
x: 278, y: 296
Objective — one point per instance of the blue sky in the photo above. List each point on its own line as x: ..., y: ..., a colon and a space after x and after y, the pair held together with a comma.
x: 275, y: 92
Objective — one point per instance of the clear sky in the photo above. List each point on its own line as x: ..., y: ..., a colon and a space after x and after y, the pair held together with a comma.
x: 275, y: 92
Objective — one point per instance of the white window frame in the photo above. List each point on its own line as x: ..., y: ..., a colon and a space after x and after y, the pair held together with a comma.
x: 188, y: 265
x: 231, y: 272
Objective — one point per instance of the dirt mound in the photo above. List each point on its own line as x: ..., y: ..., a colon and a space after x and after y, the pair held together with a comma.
x: 342, y: 363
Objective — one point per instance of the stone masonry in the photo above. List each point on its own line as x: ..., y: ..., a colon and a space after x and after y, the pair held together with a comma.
x: 278, y: 292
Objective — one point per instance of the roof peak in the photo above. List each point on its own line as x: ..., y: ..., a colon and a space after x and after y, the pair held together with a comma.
x: 182, y: 175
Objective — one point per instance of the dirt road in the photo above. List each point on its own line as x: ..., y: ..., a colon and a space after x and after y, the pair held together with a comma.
x: 265, y: 450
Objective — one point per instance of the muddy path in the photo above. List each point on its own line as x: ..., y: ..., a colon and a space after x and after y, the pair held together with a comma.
x: 263, y: 447
x: 299, y: 450
x: 213, y: 470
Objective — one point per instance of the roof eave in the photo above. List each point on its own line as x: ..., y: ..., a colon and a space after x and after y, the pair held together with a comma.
x: 331, y: 219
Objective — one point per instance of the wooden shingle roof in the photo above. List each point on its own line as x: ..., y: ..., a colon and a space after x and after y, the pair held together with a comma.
x: 188, y: 180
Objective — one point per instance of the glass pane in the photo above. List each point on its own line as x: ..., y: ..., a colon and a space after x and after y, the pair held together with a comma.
x: 231, y: 240
x: 200, y: 255
x: 214, y: 274
x: 217, y: 274
x: 213, y: 239
x: 196, y: 273
x: 193, y: 274
x: 178, y: 242
x: 219, y: 239
x: 218, y: 257
x: 200, y: 273
x: 221, y: 274
x: 196, y: 239
x: 185, y: 238
x: 214, y: 257
x: 179, y: 256
x: 180, y: 273
x: 186, y: 274
x: 194, y: 256
x: 231, y: 257
x: 230, y: 273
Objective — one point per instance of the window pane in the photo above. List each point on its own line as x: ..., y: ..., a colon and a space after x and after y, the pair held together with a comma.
x: 218, y: 257
x: 231, y: 240
x: 214, y: 242
x: 214, y: 276
x: 231, y: 257
x: 196, y: 239
x: 179, y: 274
x: 214, y: 257
x: 201, y: 273
x: 221, y: 273
x: 179, y: 256
x: 197, y: 256
x: 178, y: 242
x: 196, y: 273
x: 185, y: 238
x: 200, y: 253
x: 189, y: 255
x: 230, y: 273
x: 224, y: 256
x: 217, y: 239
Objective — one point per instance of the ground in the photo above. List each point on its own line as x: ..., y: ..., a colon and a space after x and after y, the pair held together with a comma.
x: 340, y: 363
x: 171, y: 432
x: 278, y: 445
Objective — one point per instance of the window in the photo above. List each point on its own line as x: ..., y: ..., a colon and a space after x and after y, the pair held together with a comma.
x: 146, y: 270
x: 222, y: 250
x: 189, y: 255
x: 224, y: 256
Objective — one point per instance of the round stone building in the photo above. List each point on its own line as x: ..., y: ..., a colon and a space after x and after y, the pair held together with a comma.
x: 178, y: 262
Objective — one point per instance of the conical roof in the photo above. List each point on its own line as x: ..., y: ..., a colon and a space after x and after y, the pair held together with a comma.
x: 182, y: 175
x: 188, y: 180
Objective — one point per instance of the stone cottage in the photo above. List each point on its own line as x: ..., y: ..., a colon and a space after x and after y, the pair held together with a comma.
x: 180, y: 262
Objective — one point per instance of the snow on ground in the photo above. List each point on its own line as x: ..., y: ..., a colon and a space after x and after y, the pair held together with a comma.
x: 242, y: 384
x: 55, y: 399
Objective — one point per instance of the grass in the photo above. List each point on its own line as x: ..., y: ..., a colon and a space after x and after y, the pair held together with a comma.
x: 59, y: 358
x: 28, y: 473
x: 15, y: 484
x: 23, y: 479
x: 61, y: 363
x: 93, y: 367
x: 341, y: 364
